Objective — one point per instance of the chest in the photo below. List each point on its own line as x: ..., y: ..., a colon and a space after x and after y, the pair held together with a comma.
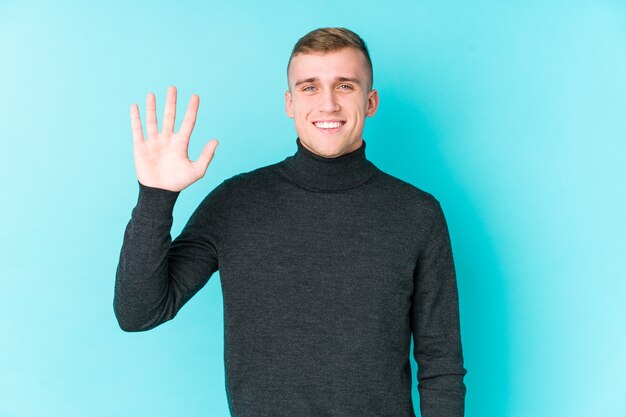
x: 325, y: 246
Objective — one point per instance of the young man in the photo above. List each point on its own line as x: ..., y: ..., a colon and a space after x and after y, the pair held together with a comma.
x: 327, y: 264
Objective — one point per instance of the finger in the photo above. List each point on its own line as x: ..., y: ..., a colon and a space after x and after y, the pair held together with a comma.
x: 169, y: 116
x: 151, y: 119
x: 135, y: 124
x: 201, y: 165
x: 190, y: 116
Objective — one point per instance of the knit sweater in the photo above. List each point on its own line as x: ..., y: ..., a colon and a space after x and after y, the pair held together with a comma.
x: 327, y: 267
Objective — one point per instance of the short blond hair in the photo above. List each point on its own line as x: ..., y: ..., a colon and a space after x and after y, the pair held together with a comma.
x: 324, y: 40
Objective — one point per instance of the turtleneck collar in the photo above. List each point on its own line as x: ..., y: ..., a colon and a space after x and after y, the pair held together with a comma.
x: 318, y: 173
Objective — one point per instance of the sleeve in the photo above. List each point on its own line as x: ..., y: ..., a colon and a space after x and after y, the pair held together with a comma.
x: 155, y: 277
x: 436, y: 326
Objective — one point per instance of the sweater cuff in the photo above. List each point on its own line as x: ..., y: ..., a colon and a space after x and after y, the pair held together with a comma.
x: 155, y: 202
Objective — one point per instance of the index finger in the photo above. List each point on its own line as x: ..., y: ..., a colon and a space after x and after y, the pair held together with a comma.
x: 190, y: 116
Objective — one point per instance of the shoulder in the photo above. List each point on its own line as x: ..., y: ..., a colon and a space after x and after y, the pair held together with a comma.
x: 420, y: 210
x: 246, y: 188
x: 406, y: 194
x: 257, y: 179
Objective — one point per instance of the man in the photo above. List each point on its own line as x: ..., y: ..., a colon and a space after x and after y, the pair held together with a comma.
x: 327, y: 263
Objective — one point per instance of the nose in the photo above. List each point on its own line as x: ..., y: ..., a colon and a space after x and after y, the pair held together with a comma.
x: 328, y: 102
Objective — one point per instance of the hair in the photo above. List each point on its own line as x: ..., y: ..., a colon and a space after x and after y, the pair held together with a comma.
x: 325, y: 40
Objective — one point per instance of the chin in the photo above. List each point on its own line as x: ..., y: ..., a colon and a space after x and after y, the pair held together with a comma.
x: 330, y: 151
x: 330, y: 146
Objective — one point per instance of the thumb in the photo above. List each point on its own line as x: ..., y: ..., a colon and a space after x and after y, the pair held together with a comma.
x: 203, y: 161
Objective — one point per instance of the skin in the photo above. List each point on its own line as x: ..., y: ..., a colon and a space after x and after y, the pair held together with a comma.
x: 330, y: 87
x: 161, y: 159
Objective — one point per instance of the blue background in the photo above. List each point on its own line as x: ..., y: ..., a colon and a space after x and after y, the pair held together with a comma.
x: 511, y: 113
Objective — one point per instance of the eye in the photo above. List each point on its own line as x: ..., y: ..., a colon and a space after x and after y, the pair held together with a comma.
x: 309, y: 88
x: 345, y: 87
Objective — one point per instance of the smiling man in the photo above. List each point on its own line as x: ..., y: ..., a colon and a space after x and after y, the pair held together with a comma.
x: 328, y: 265
x: 330, y: 95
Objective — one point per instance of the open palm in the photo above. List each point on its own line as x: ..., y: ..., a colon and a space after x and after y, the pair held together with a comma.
x: 161, y: 160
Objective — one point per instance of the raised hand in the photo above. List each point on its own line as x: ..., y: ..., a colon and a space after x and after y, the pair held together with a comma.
x: 162, y: 160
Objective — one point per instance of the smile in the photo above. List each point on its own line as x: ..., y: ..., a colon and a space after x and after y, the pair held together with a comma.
x: 329, y: 124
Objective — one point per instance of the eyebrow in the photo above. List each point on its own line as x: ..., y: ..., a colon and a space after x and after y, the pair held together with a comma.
x: 314, y: 79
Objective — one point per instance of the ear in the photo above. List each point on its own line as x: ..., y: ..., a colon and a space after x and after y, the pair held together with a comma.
x: 372, y: 103
x: 288, y: 104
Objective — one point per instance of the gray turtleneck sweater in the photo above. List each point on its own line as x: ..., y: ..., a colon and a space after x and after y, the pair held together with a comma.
x: 327, y: 266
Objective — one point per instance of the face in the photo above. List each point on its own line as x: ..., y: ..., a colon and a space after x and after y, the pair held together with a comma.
x: 329, y: 99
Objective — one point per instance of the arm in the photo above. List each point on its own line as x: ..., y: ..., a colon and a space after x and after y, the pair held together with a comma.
x: 155, y: 276
x: 436, y: 327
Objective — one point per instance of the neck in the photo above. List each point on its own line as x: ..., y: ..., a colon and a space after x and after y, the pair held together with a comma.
x: 319, y: 173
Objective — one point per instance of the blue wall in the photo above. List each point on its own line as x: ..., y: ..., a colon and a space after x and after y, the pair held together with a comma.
x: 512, y: 113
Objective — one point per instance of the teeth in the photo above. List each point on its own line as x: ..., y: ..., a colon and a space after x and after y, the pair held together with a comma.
x: 328, y: 125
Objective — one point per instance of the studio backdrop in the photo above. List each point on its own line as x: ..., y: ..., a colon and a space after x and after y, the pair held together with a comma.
x: 513, y: 114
